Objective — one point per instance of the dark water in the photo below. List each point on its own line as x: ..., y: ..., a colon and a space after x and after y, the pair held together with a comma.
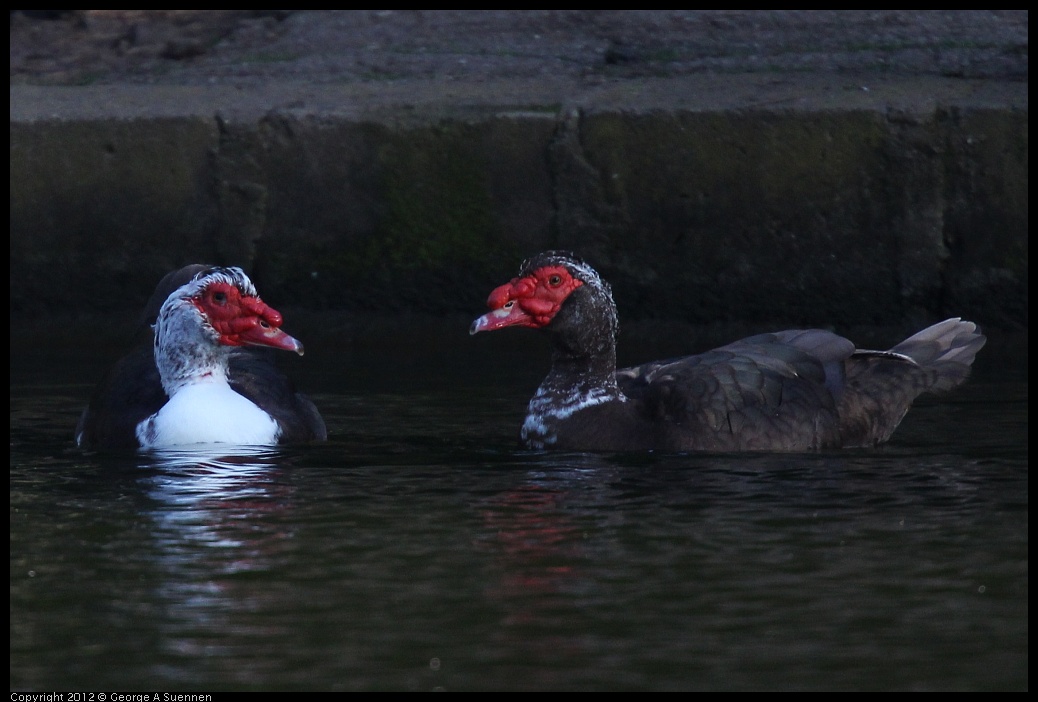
x: 418, y: 550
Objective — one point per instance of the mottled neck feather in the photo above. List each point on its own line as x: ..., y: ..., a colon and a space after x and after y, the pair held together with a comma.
x: 583, y: 339
x: 186, y: 348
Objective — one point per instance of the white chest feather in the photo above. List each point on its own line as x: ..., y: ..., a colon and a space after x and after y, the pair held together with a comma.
x: 548, y: 409
x: 206, y: 413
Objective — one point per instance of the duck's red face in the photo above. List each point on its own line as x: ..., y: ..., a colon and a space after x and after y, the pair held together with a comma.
x: 530, y: 301
x: 243, y: 320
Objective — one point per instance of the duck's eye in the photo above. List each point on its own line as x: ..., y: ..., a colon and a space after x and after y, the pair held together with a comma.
x: 220, y: 298
x: 508, y: 305
x: 555, y: 280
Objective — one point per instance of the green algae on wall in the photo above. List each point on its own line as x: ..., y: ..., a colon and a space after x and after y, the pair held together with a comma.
x: 401, y: 216
x: 708, y: 197
x: 103, y: 208
x: 437, y: 209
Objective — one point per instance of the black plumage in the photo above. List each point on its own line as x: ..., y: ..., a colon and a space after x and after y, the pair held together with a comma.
x: 132, y: 391
x: 791, y: 390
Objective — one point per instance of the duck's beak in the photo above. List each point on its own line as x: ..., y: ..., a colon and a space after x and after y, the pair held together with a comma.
x: 510, y: 315
x: 262, y: 334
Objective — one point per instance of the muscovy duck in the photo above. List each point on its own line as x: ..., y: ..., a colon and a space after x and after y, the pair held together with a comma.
x: 794, y: 390
x: 207, y: 375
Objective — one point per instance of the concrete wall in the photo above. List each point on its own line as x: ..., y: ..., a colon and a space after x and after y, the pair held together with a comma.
x: 818, y: 204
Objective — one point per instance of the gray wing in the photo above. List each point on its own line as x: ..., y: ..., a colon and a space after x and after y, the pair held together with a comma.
x: 768, y: 392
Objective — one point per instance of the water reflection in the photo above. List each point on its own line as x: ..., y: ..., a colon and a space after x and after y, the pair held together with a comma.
x: 210, y: 499
x: 419, y: 549
x: 219, y: 520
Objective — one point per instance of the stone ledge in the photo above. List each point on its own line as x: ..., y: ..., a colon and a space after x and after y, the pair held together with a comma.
x: 805, y: 199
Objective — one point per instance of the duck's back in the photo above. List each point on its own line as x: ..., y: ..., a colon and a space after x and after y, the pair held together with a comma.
x: 797, y: 390
x: 774, y: 392
x: 130, y: 392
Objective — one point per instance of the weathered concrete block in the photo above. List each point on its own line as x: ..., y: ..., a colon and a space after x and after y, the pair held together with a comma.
x: 101, y: 209
x: 380, y: 216
x: 986, y: 219
x: 815, y: 204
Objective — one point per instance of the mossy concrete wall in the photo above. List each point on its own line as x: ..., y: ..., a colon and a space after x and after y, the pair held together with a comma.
x: 817, y: 204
